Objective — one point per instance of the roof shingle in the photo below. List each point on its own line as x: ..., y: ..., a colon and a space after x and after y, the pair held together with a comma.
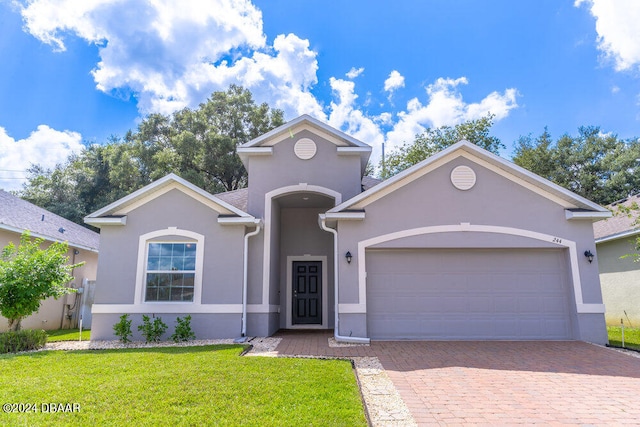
x: 19, y: 215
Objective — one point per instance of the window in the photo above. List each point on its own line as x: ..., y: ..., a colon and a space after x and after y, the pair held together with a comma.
x: 170, y: 272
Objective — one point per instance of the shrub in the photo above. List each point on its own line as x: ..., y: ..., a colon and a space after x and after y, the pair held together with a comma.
x: 152, y: 331
x: 122, y: 329
x: 23, y: 340
x: 183, y: 330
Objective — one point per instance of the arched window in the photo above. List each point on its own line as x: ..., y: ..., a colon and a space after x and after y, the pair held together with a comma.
x: 170, y: 267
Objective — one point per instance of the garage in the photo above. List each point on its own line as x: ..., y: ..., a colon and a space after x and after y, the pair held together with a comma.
x: 468, y: 294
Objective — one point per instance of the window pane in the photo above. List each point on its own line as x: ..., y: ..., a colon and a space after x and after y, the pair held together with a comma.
x: 163, y: 293
x: 164, y: 280
x: 165, y: 249
x: 188, y: 280
x: 164, y: 264
x: 190, y: 250
x: 178, y: 250
x: 152, y: 280
x: 176, y: 294
x: 154, y: 249
x: 177, y: 264
x: 187, y: 294
x: 153, y: 262
x: 152, y: 294
x: 189, y: 264
x: 176, y: 279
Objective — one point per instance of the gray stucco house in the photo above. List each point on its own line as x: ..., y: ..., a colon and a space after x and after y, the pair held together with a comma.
x: 464, y: 245
x: 620, y: 275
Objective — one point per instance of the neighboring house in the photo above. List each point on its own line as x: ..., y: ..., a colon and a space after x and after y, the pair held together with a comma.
x: 619, y: 275
x: 16, y: 216
x: 464, y: 245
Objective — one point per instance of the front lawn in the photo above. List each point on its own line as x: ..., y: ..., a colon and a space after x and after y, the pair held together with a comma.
x: 68, y: 335
x: 208, y: 385
x: 631, y: 337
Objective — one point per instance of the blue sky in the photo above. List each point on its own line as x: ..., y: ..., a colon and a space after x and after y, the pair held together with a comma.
x: 74, y: 73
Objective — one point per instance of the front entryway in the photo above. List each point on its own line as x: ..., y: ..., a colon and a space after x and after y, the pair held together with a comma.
x: 307, y: 293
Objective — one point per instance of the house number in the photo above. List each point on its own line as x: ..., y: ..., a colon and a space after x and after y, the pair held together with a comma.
x: 557, y: 240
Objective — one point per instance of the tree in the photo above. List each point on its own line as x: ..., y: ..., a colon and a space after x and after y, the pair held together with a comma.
x: 432, y: 141
x: 598, y: 166
x: 30, y: 274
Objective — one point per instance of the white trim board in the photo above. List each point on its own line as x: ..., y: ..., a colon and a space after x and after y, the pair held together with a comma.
x: 581, y: 307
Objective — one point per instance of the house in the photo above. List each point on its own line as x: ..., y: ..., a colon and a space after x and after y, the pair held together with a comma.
x: 464, y: 245
x: 619, y: 275
x: 17, y: 216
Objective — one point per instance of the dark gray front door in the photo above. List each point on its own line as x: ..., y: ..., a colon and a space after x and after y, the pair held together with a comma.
x: 307, y: 293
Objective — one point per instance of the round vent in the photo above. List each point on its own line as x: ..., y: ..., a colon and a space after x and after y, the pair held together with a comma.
x: 463, y: 177
x: 305, y: 148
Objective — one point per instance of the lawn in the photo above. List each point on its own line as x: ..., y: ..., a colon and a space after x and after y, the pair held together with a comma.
x: 631, y: 337
x: 209, y: 385
x: 68, y: 335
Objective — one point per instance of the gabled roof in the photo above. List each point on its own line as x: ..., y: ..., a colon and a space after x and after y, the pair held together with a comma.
x: 576, y: 206
x: 619, y: 225
x: 346, y: 144
x: 18, y: 215
x: 116, y: 212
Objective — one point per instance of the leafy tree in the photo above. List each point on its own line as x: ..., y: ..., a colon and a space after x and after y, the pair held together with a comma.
x: 30, y: 274
x: 598, y: 166
x: 432, y: 141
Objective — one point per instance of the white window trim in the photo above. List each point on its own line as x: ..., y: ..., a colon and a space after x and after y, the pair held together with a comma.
x: 141, y: 273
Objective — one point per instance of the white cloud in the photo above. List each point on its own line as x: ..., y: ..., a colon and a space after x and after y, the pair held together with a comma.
x: 394, y: 81
x: 354, y: 72
x: 45, y: 146
x: 446, y: 107
x: 618, y: 30
x: 174, y: 54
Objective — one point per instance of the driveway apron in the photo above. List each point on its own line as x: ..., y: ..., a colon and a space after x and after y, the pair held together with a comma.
x: 499, y: 383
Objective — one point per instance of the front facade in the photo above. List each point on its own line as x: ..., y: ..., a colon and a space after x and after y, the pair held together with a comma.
x: 464, y: 245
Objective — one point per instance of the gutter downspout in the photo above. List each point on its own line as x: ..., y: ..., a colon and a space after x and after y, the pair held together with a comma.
x: 336, y: 330
x: 246, y: 275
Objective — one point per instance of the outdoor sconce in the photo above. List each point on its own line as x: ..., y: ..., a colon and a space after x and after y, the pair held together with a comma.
x: 348, y: 257
x: 589, y: 256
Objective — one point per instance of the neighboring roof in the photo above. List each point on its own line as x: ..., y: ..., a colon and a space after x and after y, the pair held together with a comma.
x: 346, y: 144
x: 18, y: 215
x: 116, y: 212
x: 369, y: 182
x: 621, y: 224
x: 238, y: 198
x: 570, y: 201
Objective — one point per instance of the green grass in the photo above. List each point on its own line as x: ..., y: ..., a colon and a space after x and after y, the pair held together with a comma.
x: 68, y: 335
x: 208, y: 385
x: 631, y: 337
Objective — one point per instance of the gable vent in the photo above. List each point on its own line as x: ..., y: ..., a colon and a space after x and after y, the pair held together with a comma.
x: 305, y: 149
x: 463, y: 177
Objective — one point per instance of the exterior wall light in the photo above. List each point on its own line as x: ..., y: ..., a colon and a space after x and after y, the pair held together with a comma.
x: 349, y: 257
x: 589, y: 256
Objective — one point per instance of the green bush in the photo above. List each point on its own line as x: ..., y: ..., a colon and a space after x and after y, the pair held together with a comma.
x: 152, y: 331
x: 23, y: 340
x: 183, y: 330
x: 122, y: 329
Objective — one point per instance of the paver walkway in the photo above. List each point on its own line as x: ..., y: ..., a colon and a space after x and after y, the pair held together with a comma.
x: 499, y: 383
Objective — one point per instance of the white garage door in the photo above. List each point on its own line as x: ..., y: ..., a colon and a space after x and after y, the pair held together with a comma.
x: 516, y: 294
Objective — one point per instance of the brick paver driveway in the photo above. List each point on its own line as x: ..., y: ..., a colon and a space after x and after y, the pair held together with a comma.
x: 502, y: 383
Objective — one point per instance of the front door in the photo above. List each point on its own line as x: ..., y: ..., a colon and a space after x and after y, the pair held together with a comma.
x: 307, y: 293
